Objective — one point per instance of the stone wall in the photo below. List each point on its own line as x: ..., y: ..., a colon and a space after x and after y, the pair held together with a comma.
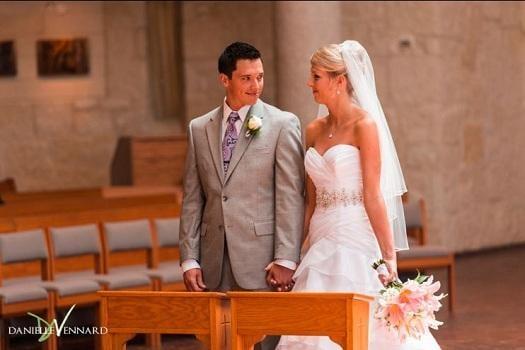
x: 208, y: 27
x: 61, y: 132
x: 451, y: 79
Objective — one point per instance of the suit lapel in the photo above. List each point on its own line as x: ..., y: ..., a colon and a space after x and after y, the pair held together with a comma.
x: 213, y: 132
x: 243, y: 142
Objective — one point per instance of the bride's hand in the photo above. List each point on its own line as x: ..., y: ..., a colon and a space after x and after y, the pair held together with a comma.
x: 391, y: 265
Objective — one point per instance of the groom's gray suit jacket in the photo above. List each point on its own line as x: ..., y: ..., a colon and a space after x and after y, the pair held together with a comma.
x: 257, y: 206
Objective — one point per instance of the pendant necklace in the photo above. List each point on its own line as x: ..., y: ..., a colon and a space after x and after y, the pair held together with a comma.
x: 331, y: 134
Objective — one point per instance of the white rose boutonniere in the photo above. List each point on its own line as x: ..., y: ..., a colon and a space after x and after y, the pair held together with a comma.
x: 253, y: 125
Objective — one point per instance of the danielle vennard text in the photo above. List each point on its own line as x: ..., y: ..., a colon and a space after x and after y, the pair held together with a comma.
x: 45, y: 329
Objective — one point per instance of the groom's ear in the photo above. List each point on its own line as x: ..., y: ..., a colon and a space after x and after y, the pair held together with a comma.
x: 224, y: 80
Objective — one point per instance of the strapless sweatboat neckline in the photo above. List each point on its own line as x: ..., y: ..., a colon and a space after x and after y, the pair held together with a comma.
x: 333, y: 147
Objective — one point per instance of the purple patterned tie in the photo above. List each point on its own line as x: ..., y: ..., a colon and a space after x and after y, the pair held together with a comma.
x: 230, y: 140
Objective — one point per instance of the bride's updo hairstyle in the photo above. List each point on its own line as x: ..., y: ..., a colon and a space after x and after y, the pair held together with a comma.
x: 328, y: 58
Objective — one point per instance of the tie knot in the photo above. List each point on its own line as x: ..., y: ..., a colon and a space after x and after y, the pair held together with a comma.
x: 233, y: 117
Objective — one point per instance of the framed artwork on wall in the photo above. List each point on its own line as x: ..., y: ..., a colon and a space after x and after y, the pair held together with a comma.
x: 63, y: 57
x: 7, y: 59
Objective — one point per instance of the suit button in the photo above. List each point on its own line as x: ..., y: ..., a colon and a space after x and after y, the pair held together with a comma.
x: 224, y: 198
x: 220, y: 227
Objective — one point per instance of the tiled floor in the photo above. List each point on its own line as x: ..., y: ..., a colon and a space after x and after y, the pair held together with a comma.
x: 490, y: 304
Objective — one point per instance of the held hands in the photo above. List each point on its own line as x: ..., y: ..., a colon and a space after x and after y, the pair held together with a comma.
x: 279, y: 278
x: 193, y: 280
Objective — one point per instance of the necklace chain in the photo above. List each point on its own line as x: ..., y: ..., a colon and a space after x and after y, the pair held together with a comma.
x: 331, y: 134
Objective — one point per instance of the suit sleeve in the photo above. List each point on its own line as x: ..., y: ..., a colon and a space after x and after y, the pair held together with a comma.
x: 192, y: 205
x: 289, y: 191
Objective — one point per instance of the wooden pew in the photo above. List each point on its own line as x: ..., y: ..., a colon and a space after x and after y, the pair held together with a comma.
x: 72, y: 205
x: 7, y: 225
x: 125, y: 314
x: 149, y: 161
x: 7, y: 185
x: 341, y: 316
x: 159, y: 210
x: 39, y: 303
x: 84, y: 262
x: 133, y: 191
x: 15, y: 197
x: 421, y: 256
x: 86, y: 193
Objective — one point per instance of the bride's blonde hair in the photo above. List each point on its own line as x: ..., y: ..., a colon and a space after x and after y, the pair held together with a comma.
x: 329, y: 59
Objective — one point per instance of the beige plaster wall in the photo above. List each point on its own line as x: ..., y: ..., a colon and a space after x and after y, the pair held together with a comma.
x: 455, y: 101
x: 61, y: 132
x: 208, y: 27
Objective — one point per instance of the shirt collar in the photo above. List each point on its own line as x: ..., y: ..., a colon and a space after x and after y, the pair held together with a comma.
x: 243, y: 111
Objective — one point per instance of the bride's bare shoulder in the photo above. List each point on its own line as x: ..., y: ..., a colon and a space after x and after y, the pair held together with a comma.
x: 365, y: 128
x: 361, y: 118
x: 313, y: 129
x: 316, y: 125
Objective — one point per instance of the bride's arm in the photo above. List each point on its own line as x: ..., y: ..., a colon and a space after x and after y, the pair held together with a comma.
x: 368, y: 140
x: 310, y: 187
x: 309, y: 205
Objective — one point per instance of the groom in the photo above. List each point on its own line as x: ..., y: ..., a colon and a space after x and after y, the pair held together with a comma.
x: 242, y: 212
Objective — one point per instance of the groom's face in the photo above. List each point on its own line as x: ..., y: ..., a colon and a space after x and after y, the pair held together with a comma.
x: 246, y: 84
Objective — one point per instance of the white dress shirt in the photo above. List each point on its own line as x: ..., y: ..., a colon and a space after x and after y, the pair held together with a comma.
x: 243, y: 111
x: 226, y: 111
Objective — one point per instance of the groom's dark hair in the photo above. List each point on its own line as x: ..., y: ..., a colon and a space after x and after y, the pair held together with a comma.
x: 234, y: 52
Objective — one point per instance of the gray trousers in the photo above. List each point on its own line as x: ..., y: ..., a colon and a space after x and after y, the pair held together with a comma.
x: 228, y: 283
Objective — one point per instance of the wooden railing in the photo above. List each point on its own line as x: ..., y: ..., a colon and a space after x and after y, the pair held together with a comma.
x: 341, y: 316
x: 124, y: 314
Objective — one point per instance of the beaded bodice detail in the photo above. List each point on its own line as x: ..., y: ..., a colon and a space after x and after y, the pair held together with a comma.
x: 336, y: 175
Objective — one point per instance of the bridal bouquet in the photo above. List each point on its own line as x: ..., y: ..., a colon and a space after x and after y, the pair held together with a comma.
x: 408, y: 308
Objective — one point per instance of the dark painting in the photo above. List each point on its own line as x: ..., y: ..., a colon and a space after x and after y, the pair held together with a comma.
x: 62, y: 57
x: 7, y: 59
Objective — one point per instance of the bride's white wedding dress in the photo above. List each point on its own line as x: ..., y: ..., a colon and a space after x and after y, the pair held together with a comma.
x: 342, y: 247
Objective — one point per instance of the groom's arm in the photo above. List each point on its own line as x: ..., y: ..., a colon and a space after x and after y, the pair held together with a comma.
x: 192, y: 206
x: 289, y: 192
x: 289, y: 204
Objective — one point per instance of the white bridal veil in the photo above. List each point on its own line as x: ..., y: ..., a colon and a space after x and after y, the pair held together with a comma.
x: 361, y: 77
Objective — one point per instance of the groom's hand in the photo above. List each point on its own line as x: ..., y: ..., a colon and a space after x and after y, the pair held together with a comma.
x: 280, y: 278
x: 193, y: 280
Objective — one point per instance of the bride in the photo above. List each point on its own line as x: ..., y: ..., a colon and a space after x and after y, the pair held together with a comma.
x: 354, y: 214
